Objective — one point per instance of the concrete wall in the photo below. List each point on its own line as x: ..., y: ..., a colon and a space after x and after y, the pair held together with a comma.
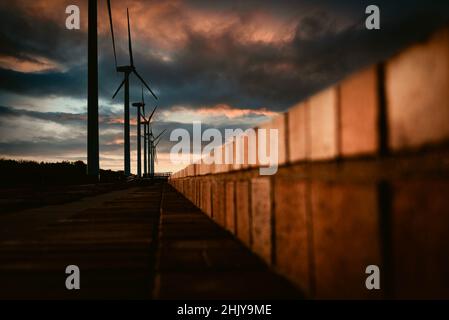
x: 363, y: 180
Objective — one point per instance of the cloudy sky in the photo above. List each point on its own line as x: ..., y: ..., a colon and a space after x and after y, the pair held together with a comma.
x: 227, y: 63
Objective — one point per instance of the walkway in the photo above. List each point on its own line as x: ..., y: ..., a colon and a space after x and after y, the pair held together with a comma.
x: 141, y: 243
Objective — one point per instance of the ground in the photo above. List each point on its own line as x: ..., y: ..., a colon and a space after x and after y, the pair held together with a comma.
x: 144, y: 242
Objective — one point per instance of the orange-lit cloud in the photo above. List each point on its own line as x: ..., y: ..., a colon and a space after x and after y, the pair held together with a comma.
x: 37, y: 64
x: 231, y: 113
x: 216, y: 115
x: 168, y: 25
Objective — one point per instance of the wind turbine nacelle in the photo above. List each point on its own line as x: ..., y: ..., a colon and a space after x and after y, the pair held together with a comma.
x: 138, y: 104
x: 128, y: 69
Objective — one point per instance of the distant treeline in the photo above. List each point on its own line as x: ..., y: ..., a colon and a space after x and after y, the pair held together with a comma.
x: 14, y: 173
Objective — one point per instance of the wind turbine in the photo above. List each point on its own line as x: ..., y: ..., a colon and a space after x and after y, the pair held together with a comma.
x: 147, y: 124
x: 155, y: 150
x: 141, y: 114
x: 126, y: 70
x: 152, y: 144
x: 154, y: 156
x: 147, y: 135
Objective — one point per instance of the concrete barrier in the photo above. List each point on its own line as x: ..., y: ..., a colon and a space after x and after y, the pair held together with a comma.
x: 363, y: 180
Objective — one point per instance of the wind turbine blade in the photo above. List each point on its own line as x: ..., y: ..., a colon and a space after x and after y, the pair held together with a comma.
x: 143, y: 99
x: 151, y: 115
x: 112, y: 32
x: 145, y: 84
x: 160, y: 134
x: 131, y: 58
x: 121, y: 85
x: 142, y: 115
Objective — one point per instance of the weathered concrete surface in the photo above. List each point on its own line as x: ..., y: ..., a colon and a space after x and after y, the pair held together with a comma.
x: 115, y: 238
x: 109, y: 237
x: 197, y: 259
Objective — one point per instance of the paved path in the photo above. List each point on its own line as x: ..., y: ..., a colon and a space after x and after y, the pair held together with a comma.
x: 141, y: 243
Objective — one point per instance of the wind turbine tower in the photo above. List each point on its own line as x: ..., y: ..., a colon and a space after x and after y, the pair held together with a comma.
x: 127, y: 70
x: 139, y: 107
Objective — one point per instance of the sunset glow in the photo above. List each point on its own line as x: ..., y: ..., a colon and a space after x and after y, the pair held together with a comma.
x: 224, y: 63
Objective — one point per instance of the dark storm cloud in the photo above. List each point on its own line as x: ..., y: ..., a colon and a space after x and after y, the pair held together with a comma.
x: 219, y: 68
x: 59, y: 117
x: 211, y: 69
x: 42, y: 147
x: 70, y: 84
x: 108, y: 120
x: 328, y: 42
x: 25, y: 36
